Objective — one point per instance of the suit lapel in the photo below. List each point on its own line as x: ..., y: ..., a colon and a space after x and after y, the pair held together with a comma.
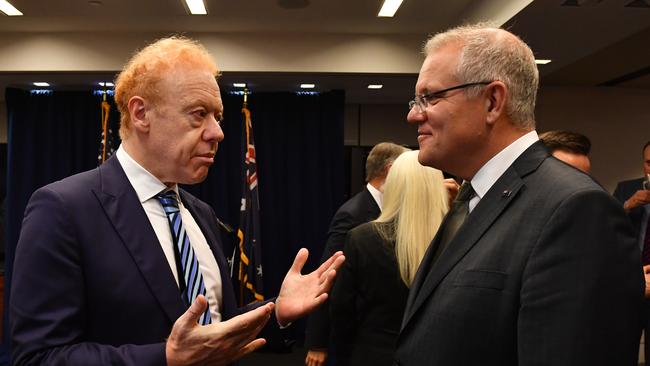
x: 123, y: 209
x: 489, y: 208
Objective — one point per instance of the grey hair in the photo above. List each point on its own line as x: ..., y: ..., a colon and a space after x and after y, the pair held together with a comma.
x: 489, y: 54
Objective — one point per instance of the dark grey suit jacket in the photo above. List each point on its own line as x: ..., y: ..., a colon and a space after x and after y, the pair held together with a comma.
x: 359, y: 209
x: 544, y: 271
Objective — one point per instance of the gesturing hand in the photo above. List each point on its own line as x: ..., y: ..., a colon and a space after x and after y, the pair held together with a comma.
x: 218, y: 343
x: 300, y: 294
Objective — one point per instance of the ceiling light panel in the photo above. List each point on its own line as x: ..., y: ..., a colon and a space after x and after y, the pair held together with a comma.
x: 389, y: 8
x: 196, y: 7
x: 9, y: 9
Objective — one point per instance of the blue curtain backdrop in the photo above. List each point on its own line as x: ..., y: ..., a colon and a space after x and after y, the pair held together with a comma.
x: 299, y: 142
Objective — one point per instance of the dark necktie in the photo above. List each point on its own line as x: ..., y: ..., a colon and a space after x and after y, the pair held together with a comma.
x: 191, y: 280
x: 646, y: 244
x: 455, y: 217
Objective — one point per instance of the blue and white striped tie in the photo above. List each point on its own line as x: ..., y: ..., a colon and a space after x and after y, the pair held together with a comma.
x: 190, y: 265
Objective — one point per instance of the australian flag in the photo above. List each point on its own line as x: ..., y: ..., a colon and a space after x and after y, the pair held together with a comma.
x: 250, y: 247
x: 106, y: 148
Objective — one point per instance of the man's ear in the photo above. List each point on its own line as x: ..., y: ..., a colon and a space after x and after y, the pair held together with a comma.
x: 138, y: 113
x: 497, y: 95
x: 386, y: 169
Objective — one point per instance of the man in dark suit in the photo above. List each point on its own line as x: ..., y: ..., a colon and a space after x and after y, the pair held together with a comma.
x: 634, y: 195
x: 98, y: 275
x: 535, y: 264
x: 363, y: 207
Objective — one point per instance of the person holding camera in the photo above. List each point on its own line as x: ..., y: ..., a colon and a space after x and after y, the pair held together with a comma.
x: 635, y: 196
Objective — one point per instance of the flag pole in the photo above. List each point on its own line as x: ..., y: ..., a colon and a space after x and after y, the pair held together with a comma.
x: 245, y: 97
x: 105, y: 111
x: 240, y: 233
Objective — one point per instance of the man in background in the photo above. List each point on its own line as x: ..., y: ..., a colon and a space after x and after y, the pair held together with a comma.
x: 634, y: 195
x: 118, y: 265
x: 535, y: 264
x: 363, y: 207
x: 570, y: 147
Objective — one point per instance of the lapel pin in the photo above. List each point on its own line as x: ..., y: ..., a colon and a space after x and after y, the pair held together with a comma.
x: 506, y: 193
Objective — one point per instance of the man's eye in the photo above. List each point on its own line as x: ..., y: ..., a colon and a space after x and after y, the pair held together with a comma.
x: 431, y: 98
x: 201, y: 113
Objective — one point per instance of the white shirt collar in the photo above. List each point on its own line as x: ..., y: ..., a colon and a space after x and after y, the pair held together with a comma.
x: 146, y: 185
x: 495, y: 167
x: 376, y: 194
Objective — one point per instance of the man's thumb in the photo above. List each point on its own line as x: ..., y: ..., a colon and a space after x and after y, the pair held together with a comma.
x: 194, y: 312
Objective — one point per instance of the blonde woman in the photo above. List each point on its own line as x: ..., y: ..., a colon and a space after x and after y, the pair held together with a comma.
x: 382, y: 257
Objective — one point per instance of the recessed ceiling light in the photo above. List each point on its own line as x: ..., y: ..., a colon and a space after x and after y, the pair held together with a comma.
x: 239, y: 85
x: 307, y: 86
x: 389, y: 8
x: 108, y: 83
x: 542, y: 62
x: 9, y: 9
x: 41, y: 83
x: 375, y: 86
x: 196, y: 7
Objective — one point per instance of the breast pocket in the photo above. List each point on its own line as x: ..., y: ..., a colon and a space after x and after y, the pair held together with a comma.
x: 478, y: 278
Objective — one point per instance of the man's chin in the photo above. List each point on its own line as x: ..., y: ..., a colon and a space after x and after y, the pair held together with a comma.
x: 425, y: 158
x: 197, y: 177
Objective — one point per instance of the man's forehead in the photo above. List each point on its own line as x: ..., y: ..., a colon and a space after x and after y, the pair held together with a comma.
x: 438, y: 67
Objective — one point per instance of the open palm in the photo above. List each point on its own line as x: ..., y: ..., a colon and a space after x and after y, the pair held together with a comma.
x: 300, y: 294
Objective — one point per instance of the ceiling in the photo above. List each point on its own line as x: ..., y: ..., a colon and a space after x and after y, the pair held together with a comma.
x: 591, y: 42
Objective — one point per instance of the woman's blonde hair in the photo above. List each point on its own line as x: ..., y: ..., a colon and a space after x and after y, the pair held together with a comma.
x: 413, y: 205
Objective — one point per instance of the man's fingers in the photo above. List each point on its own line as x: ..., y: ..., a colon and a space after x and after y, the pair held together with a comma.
x: 330, y: 272
x: 327, y: 282
x: 238, y: 333
x: 319, y: 300
x: 252, y: 319
x: 252, y: 346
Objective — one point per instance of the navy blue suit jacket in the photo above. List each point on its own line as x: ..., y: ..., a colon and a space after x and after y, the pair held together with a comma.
x: 91, y: 284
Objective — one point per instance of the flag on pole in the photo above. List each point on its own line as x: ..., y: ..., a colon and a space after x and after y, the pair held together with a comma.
x: 106, y: 143
x: 250, y: 249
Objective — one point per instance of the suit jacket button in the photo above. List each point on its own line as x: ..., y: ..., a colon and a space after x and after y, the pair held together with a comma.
x: 396, y: 363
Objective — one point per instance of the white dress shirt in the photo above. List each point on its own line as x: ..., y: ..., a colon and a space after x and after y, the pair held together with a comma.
x: 147, y: 186
x: 376, y: 194
x: 491, y: 171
